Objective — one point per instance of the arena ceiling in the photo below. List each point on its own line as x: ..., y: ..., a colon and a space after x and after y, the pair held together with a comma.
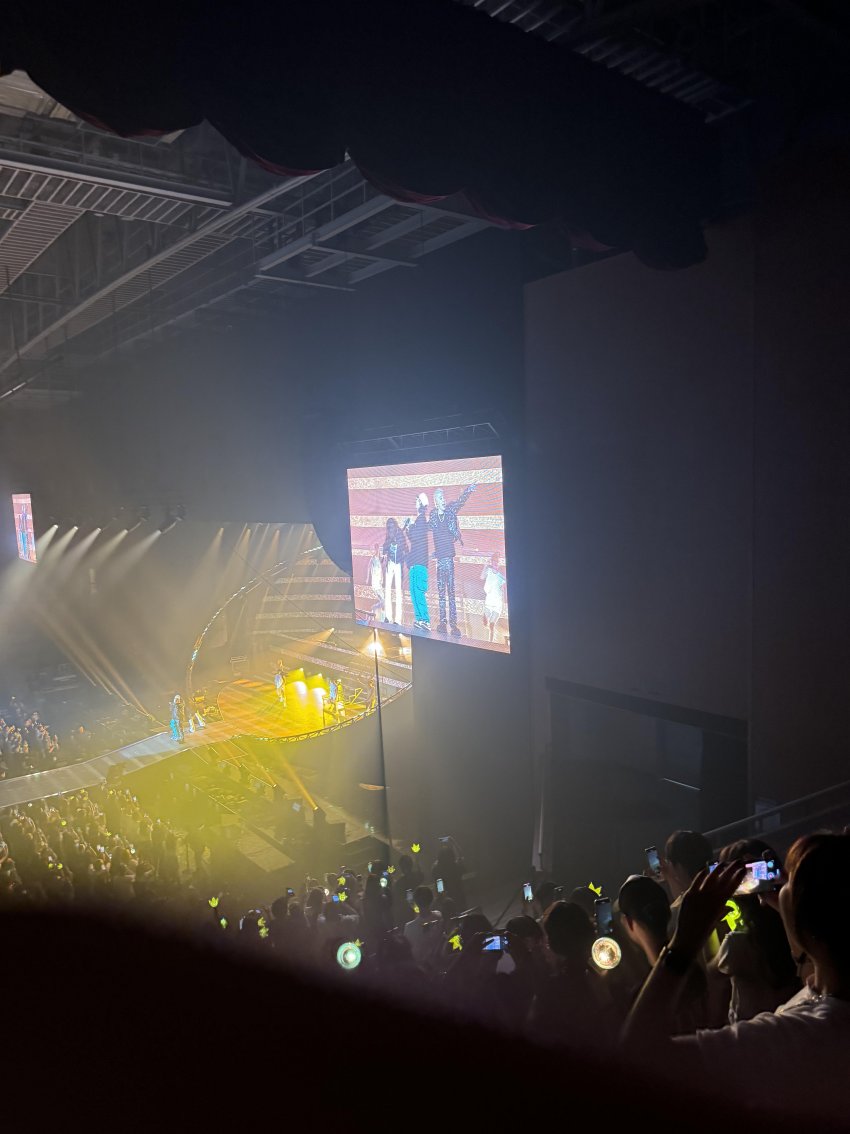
x: 106, y: 242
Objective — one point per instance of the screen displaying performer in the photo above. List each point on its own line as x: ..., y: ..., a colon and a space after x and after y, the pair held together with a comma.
x: 428, y: 550
x: 22, y: 506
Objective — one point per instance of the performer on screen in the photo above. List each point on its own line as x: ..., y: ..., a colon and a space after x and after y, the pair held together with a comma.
x: 394, y: 552
x: 417, y: 563
x: 375, y: 579
x: 443, y: 523
x: 24, y: 532
x: 494, y: 582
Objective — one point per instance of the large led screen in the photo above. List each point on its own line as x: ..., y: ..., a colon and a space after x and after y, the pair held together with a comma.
x: 22, y: 507
x: 428, y: 549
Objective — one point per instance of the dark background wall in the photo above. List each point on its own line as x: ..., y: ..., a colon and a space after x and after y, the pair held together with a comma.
x: 688, y: 482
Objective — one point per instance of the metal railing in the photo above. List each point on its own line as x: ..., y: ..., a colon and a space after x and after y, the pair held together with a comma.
x: 830, y: 807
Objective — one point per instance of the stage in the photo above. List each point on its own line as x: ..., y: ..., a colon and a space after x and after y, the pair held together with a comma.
x: 88, y: 773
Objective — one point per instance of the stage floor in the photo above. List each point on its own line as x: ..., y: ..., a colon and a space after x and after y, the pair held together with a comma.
x: 250, y: 707
x: 88, y: 773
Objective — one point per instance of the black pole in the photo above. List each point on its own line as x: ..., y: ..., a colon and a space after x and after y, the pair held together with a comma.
x: 376, y: 646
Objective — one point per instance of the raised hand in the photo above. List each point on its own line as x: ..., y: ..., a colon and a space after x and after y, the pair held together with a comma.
x: 703, y: 904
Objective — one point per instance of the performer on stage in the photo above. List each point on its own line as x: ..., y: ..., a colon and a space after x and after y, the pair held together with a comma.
x: 178, y: 718
x: 375, y: 579
x: 394, y: 552
x: 443, y: 523
x: 494, y: 582
x: 417, y: 563
x: 280, y: 684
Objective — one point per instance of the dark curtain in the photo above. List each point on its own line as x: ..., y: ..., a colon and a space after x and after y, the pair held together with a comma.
x: 429, y: 98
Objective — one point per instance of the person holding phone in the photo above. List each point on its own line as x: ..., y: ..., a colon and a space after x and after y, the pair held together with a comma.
x: 793, y: 1062
x: 755, y: 956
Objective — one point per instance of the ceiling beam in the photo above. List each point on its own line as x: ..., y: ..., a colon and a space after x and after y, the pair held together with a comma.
x: 191, y: 248
x: 349, y: 219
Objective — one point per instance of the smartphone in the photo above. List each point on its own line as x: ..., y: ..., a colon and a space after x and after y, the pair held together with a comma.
x: 384, y: 881
x: 296, y: 807
x: 763, y: 875
x: 604, y: 916
x: 409, y: 895
x: 654, y: 860
x: 336, y: 897
x: 290, y: 893
x: 526, y: 892
x: 494, y: 943
x: 441, y: 886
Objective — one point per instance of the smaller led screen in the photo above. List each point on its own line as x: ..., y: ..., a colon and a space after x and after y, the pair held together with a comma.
x: 22, y: 506
x: 428, y: 549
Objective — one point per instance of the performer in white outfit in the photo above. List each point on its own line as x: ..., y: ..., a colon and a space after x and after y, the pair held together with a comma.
x: 395, y: 551
x: 375, y: 579
x: 494, y: 582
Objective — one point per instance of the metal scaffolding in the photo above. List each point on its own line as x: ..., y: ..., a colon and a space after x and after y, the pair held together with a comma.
x: 106, y: 241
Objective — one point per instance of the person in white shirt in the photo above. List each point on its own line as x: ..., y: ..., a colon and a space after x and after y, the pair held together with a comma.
x: 792, y: 1061
x: 494, y: 583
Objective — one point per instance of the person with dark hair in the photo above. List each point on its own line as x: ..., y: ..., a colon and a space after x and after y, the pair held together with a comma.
x: 585, y: 897
x: 755, y: 955
x: 685, y: 854
x: 792, y: 1062
x: 449, y: 868
x: 645, y: 915
x: 573, y: 1006
x: 376, y: 912
x: 645, y: 910
x: 543, y: 898
x: 394, y: 553
x: 417, y: 564
x: 407, y: 877
x: 426, y: 932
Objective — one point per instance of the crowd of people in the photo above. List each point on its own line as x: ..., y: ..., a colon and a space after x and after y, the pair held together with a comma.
x: 29, y: 744
x: 697, y: 960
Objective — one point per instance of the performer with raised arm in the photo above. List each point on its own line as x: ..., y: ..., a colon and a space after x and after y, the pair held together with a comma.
x: 443, y: 523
